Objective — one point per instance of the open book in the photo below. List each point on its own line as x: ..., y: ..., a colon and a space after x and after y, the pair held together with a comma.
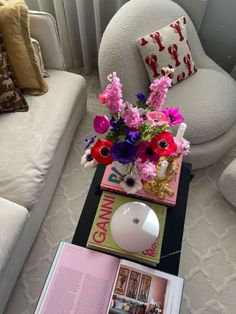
x: 83, y: 281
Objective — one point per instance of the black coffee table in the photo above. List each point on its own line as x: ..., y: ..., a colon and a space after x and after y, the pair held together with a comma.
x: 173, y: 233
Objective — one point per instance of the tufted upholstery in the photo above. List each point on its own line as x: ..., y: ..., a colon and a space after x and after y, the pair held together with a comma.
x: 207, y: 99
x: 198, y: 99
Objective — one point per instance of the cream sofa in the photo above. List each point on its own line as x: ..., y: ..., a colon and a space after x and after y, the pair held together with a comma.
x: 33, y: 149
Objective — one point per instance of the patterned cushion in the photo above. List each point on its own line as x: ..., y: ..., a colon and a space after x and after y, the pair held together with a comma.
x: 168, y: 46
x: 11, y: 98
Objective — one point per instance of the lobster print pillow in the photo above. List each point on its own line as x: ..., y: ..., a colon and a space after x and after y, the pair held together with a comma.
x: 168, y: 47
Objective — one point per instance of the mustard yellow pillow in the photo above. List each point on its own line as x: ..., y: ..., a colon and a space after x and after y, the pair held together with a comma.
x: 14, y: 25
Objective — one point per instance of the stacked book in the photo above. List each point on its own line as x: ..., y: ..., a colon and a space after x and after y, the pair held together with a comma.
x: 100, y: 237
x: 111, y: 182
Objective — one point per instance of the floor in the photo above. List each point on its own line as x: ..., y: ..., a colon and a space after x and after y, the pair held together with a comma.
x: 208, y: 261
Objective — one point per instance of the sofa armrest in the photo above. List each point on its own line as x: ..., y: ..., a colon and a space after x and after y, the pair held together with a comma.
x: 44, y: 29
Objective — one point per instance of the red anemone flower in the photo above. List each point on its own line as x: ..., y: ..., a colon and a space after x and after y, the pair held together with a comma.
x: 101, y: 152
x: 163, y: 144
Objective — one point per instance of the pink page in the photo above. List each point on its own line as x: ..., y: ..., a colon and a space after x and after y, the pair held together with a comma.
x: 80, y: 281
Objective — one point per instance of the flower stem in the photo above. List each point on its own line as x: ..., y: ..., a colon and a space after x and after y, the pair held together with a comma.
x: 132, y: 168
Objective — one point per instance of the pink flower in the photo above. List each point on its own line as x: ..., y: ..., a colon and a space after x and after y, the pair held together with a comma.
x: 131, y: 115
x: 103, y: 97
x: 147, y: 170
x: 112, y: 95
x: 159, y: 89
x: 156, y: 118
x: 101, y: 124
x: 183, y: 146
x: 173, y: 115
x: 146, y: 153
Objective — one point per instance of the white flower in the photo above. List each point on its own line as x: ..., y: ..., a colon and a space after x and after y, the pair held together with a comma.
x: 131, y: 184
x: 143, y: 113
x: 168, y: 71
x: 87, y: 160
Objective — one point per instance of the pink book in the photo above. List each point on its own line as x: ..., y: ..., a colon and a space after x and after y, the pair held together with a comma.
x: 111, y: 182
x: 83, y: 281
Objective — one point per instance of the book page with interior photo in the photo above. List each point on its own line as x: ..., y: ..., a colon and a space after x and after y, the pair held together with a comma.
x: 80, y: 281
x: 139, y: 289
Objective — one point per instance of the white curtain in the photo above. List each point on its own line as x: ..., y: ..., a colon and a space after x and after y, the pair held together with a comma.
x: 81, y: 24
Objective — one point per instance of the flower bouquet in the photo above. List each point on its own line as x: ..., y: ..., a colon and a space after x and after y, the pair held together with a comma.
x: 138, y: 139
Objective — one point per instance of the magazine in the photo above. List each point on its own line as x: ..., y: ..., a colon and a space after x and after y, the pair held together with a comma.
x: 83, y: 281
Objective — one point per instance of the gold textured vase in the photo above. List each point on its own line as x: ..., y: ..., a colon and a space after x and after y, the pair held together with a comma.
x: 160, y: 186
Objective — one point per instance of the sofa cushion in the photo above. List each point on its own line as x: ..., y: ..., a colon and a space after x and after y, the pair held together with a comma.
x: 29, y: 140
x: 14, y: 24
x: 208, y: 102
x: 12, y: 221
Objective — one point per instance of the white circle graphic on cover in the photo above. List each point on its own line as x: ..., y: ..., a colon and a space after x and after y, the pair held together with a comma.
x: 134, y: 226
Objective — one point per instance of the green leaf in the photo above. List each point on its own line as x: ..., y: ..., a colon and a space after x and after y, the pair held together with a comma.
x: 140, y: 104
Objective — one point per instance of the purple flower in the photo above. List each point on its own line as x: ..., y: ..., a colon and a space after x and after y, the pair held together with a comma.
x: 124, y: 152
x: 132, y: 136
x: 173, y: 115
x: 146, y: 153
x: 101, y: 124
x: 88, y: 141
x: 141, y: 97
x: 116, y: 123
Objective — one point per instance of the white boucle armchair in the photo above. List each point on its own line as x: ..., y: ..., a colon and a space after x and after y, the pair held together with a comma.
x: 207, y: 99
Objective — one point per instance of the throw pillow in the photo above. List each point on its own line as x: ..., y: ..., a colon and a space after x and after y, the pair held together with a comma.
x: 11, y: 98
x: 14, y: 25
x: 39, y: 57
x: 168, y: 47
